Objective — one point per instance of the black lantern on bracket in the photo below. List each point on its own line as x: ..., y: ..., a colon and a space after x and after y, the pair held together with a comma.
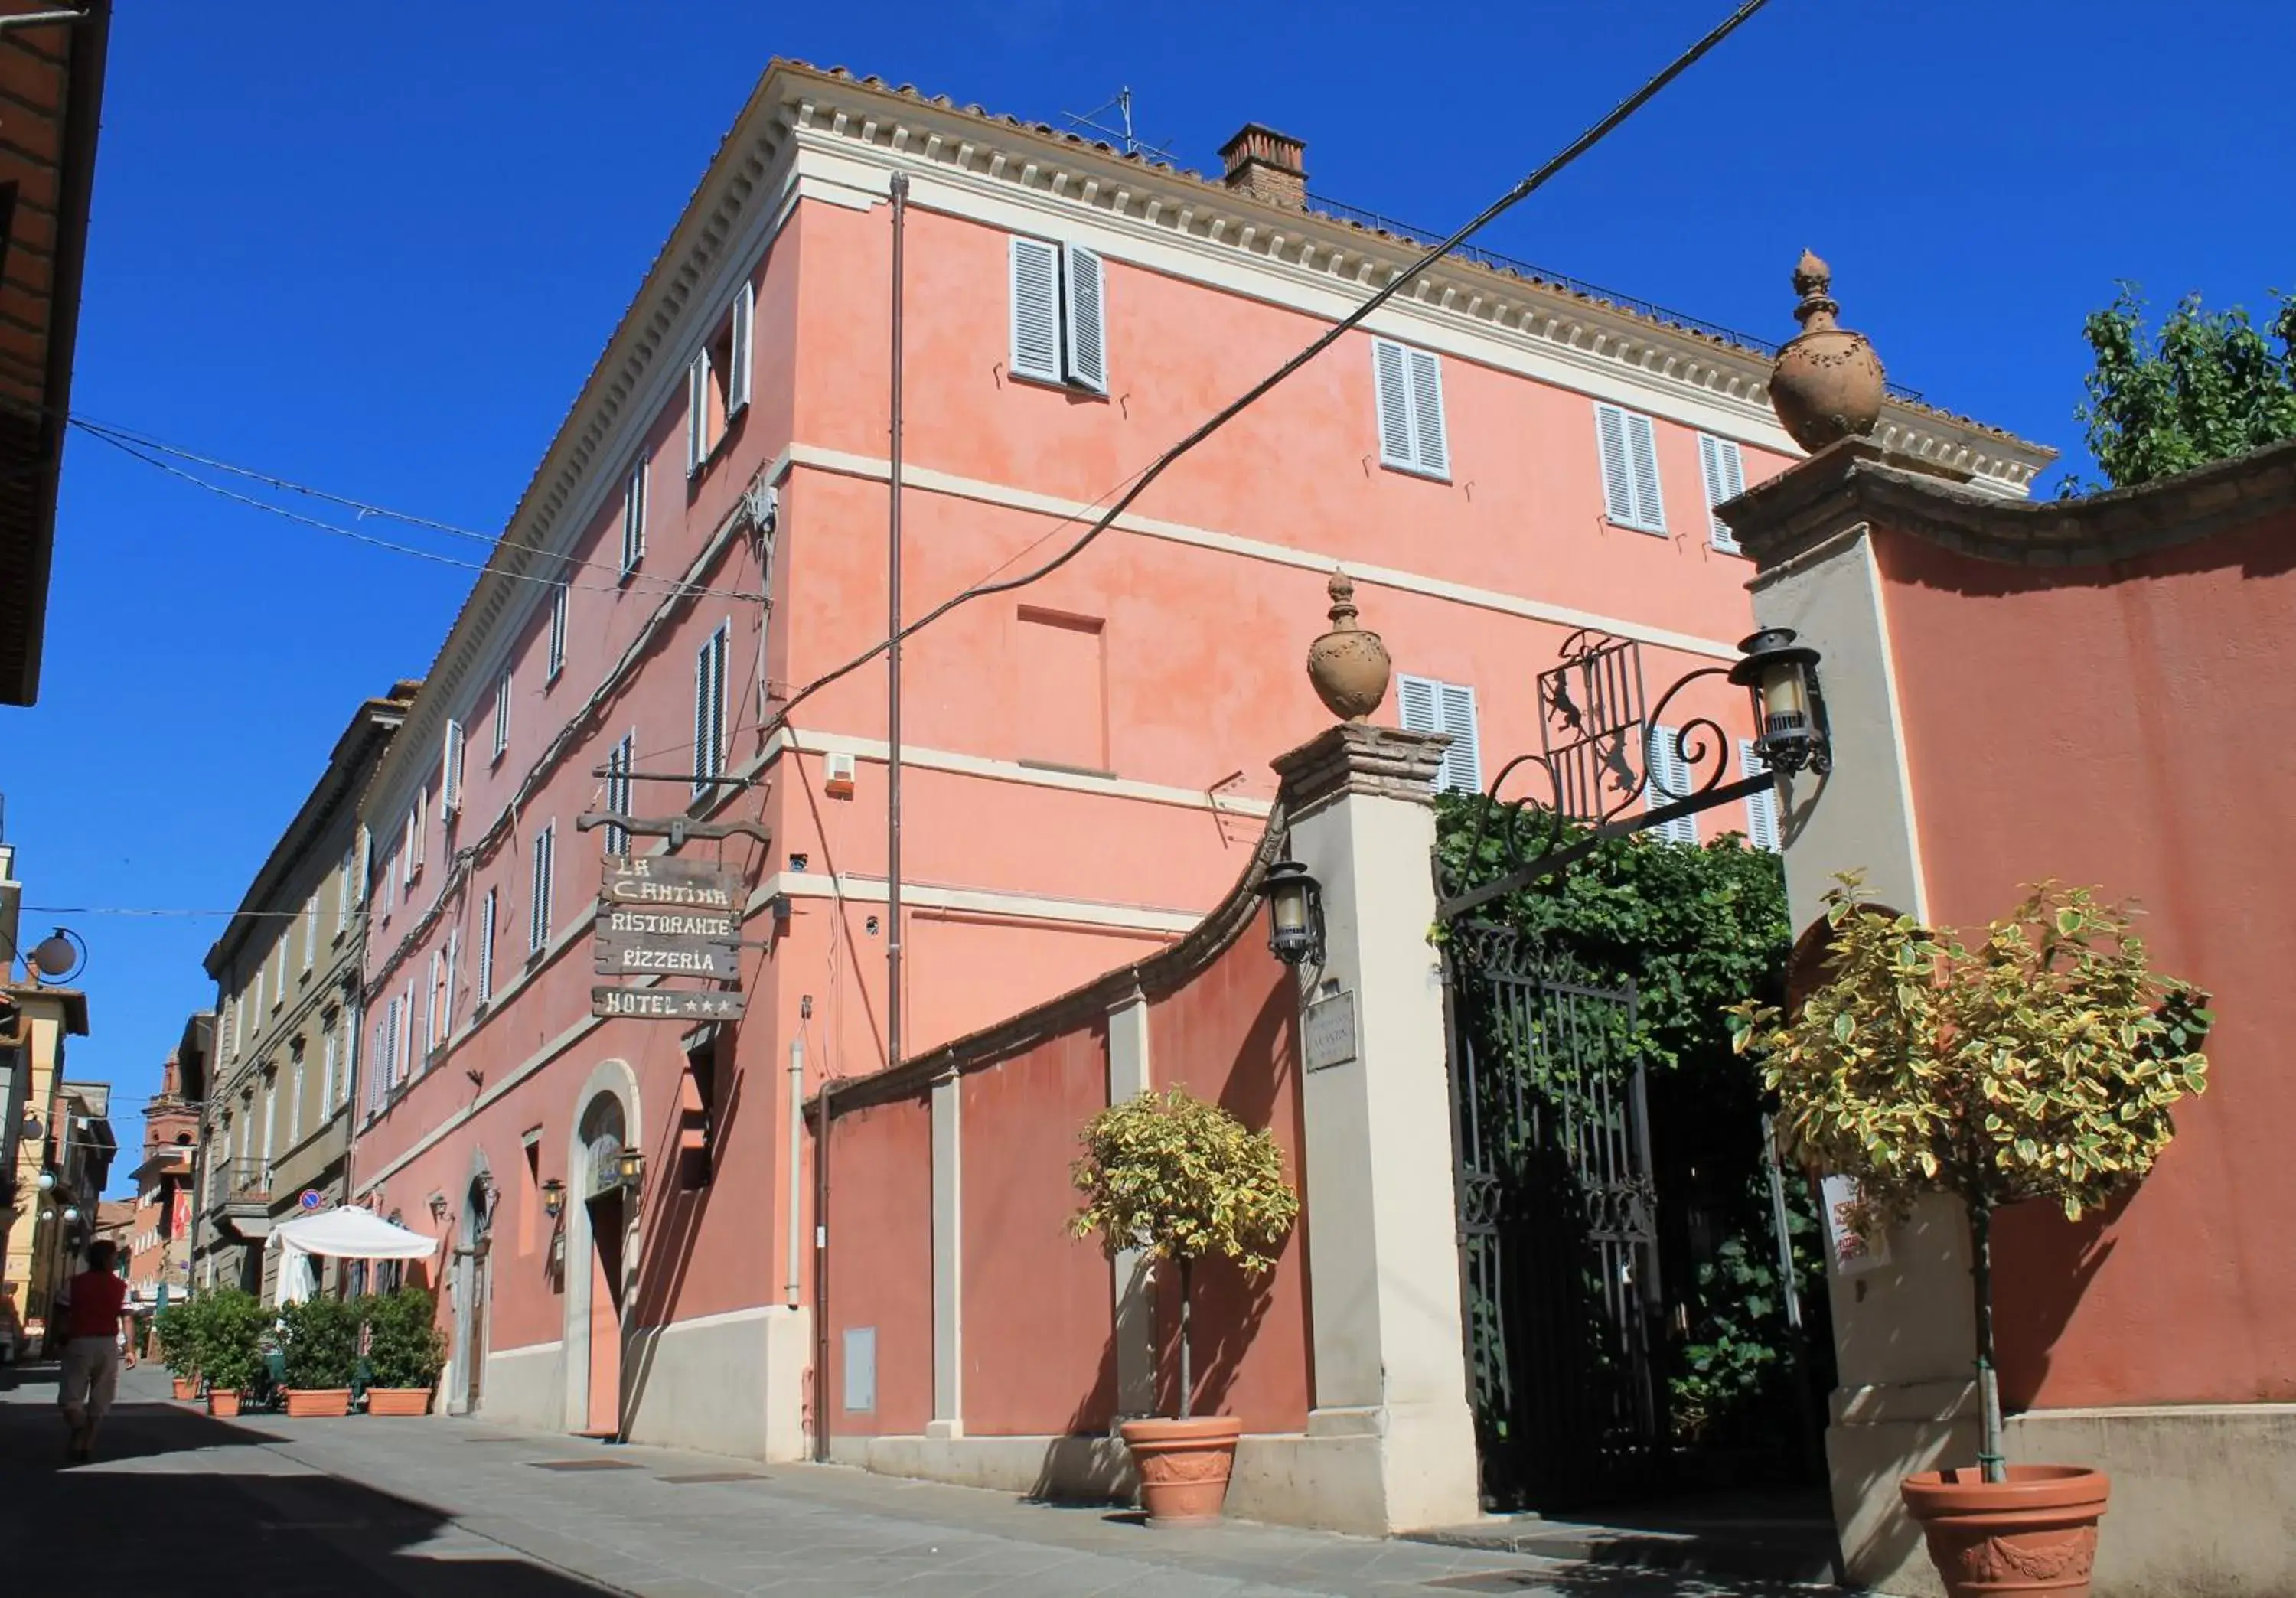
x: 553, y: 1198
x: 1295, y: 913
x: 629, y: 1168
x: 1790, y: 732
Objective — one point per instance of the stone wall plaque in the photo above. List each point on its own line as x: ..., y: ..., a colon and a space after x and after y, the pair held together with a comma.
x: 1327, y: 1031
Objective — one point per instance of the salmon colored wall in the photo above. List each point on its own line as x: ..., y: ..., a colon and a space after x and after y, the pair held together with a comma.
x: 2127, y: 727
x: 880, y: 1261
x: 1039, y: 1315
x: 1231, y: 1036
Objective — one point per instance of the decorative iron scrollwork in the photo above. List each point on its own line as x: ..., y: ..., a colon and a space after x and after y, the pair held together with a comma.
x: 1599, y: 753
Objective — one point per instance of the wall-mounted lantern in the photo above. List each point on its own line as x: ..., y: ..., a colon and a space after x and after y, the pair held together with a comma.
x: 1295, y: 913
x: 1791, y: 730
x: 629, y: 1168
x: 438, y: 1203
x: 553, y: 1198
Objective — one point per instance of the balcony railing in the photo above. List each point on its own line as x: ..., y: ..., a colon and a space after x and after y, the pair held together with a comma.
x: 1407, y: 235
x: 239, y: 1182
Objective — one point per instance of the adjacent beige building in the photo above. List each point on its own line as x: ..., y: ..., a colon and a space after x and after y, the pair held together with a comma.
x: 273, y: 1132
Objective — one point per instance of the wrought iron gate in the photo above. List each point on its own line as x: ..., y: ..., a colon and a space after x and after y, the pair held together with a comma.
x: 1558, y: 1216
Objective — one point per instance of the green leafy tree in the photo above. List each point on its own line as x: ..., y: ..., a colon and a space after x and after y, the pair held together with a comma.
x: 406, y: 1349
x: 319, y: 1347
x: 1180, y: 1179
x: 2041, y: 1064
x: 2207, y: 387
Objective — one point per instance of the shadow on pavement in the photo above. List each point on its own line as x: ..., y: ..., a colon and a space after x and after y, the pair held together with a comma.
x: 178, y: 1504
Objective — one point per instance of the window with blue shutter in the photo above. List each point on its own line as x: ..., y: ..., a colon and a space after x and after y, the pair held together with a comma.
x: 634, y: 516
x: 1626, y: 442
x: 1724, y: 473
x: 1410, y: 386
x: 1761, y: 808
x: 1430, y: 706
x: 1060, y: 315
x: 1668, y: 782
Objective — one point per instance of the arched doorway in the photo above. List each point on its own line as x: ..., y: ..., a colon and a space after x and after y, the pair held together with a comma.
x: 595, y: 1268
x: 473, y: 1290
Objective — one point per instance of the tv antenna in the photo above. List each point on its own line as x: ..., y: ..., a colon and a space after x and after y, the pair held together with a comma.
x: 1122, y: 135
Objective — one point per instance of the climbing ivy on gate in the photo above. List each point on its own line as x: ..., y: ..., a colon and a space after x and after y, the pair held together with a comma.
x: 1698, y: 928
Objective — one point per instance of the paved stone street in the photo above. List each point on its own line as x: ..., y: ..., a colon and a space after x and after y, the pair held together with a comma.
x: 179, y: 1503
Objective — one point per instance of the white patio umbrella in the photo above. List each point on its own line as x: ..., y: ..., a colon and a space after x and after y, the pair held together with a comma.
x: 349, y: 1232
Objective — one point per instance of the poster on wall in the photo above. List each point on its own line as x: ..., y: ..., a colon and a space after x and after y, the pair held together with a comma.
x: 1854, y: 1251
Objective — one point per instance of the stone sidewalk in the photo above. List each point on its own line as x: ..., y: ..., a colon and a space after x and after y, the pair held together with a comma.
x: 180, y: 1504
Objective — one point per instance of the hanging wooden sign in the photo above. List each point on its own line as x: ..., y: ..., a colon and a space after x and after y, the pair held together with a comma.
x: 665, y: 1004
x: 620, y: 954
x: 623, y: 880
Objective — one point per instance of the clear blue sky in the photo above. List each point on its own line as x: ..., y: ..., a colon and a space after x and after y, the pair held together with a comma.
x: 376, y: 247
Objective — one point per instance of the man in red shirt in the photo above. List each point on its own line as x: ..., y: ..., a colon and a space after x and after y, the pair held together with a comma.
x: 94, y: 1305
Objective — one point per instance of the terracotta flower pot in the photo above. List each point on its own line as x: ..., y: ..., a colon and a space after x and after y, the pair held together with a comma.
x: 399, y: 1400
x: 1184, y: 1466
x: 186, y: 1387
x: 315, y: 1403
x: 2035, y: 1533
x: 223, y: 1402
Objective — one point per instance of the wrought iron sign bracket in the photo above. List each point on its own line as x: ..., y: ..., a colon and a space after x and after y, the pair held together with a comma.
x: 677, y: 829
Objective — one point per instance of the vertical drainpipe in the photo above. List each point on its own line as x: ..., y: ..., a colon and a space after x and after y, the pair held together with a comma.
x: 901, y: 187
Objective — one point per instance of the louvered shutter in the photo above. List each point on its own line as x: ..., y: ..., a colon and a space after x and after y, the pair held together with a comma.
x: 1416, y: 699
x: 1430, y: 445
x: 487, y: 947
x: 634, y: 517
x: 501, y: 715
x: 1719, y: 463
x: 1463, y: 762
x: 538, y: 919
x: 1669, y: 782
x: 410, y: 837
x: 407, y: 1034
x: 430, y: 1006
x: 1761, y: 808
x: 450, y: 764
x: 617, y: 791
x: 697, y: 413
x: 737, y: 376
x: 557, y: 630
x: 1641, y: 448
x: 1036, y: 310
x: 1083, y: 282
x: 1618, y: 476
x: 447, y: 1000
x: 1390, y: 377
x: 366, y: 862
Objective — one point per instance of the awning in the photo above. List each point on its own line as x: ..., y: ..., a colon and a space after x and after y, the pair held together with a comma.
x: 346, y: 1233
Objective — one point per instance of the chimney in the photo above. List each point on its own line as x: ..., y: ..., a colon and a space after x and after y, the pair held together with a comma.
x: 1267, y: 165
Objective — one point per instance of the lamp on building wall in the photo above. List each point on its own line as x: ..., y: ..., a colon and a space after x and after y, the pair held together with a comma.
x: 1791, y: 730
x: 1295, y: 913
x: 46, y: 1182
x: 629, y: 1168
x: 553, y: 1198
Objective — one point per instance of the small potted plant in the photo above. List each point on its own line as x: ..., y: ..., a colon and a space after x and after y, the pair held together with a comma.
x: 174, y: 1330
x: 1179, y: 1179
x: 406, y: 1351
x: 319, y: 1355
x: 2041, y: 1065
x: 231, y: 1328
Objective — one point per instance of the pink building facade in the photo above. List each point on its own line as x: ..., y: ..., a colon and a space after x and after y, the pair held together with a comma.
x: 1495, y: 462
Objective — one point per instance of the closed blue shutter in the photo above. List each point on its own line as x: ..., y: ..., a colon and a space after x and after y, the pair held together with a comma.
x: 1036, y: 310
x: 1430, y: 445
x: 1083, y: 282
x: 1669, y: 780
x: 1724, y: 473
x: 1761, y: 808
x: 1391, y: 379
x: 737, y: 377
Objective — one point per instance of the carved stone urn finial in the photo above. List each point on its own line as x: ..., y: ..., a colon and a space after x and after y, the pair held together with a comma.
x: 1827, y: 384
x: 1347, y: 666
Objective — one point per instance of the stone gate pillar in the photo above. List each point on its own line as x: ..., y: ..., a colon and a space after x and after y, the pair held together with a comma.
x: 1392, y: 1441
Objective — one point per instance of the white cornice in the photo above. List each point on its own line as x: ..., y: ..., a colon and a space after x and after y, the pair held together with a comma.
x: 884, y: 130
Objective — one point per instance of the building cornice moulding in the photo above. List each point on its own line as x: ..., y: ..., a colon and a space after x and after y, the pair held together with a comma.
x: 972, y: 152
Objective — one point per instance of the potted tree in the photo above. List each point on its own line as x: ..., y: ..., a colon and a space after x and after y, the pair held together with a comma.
x: 2040, y: 1065
x: 319, y: 1355
x: 177, y: 1332
x: 406, y: 1351
x: 230, y: 1327
x: 1179, y: 1179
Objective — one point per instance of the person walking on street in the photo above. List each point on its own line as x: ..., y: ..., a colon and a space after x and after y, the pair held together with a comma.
x: 95, y: 1312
